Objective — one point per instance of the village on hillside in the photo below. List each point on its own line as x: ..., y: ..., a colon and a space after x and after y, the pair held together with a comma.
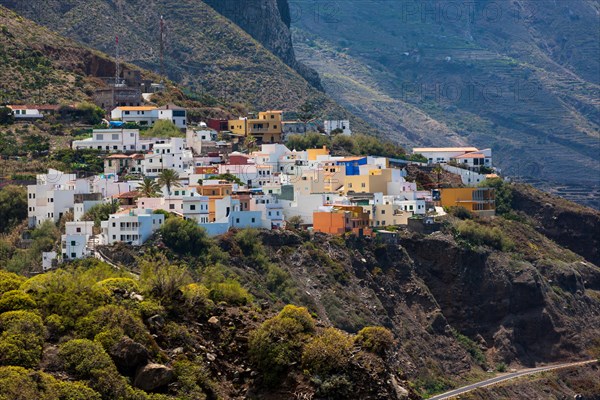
x: 241, y: 173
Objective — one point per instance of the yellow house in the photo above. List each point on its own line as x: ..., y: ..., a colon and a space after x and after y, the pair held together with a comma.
x: 267, y: 128
x: 481, y: 201
x: 375, y: 182
x: 314, y: 153
x: 388, y: 215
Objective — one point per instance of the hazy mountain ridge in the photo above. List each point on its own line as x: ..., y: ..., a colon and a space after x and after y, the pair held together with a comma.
x: 522, y: 77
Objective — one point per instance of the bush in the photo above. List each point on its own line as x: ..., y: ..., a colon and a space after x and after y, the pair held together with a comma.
x: 327, y: 352
x: 164, y: 129
x: 197, y: 298
x: 163, y: 279
x: 101, y: 212
x: 461, y: 212
x: 504, y: 194
x: 375, y: 339
x: 116, y: 319
x: 120, y: 285
x: 16, y: 300
x: 22, y: 339
x: 194, y: 380
x: 231, y: 292
x: 21, y: 383
x: 9, y: 281
x: 88, y: 360
x: 483, y: 235
x: 278, y: 342
x: 13, y: 207
x: 185, y: 236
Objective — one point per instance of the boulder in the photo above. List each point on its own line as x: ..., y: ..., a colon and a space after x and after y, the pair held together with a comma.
x: 128, y: 355
x: 153, y: 376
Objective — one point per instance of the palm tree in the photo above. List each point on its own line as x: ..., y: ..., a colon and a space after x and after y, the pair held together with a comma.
x: 438, y: 170
x: 148, y: 188
x: 169, y: 178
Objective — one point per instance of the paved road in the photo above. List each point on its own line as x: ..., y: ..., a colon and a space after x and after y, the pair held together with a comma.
x: 505, y: 377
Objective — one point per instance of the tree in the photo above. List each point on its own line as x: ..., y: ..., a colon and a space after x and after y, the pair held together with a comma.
x: 101, y: 212
x: 169, y: 178
x: 438, y: 170
x: 306, y: 113
x: 229, y: 178
x: 148, y: 188
x: 13, y: 207
x: 164, y: 128
x: 503, y: 194
x: 6, y: 116
x: 295, y: 222
x: 184, y: 236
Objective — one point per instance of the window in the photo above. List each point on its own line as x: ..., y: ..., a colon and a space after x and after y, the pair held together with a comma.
x: 99, y: 136
x: 72, y: 243
x: 382, y: 212
x: 114, y: 225
x: 192, y: 207
x: 253, y: 220
x: 78, y: 230
x: 237, y: 220
x: 363, y: 185
x: 115, y: 136
x: 73, y: 255
x: 171, y: 206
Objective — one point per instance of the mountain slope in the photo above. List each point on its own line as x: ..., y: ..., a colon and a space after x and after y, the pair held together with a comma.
x: 203, y: 50
x: 522, y: 77
x: 274, y: 35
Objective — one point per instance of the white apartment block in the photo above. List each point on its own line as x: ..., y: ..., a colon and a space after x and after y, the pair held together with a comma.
x: 132, y: 226
x: 148, y: 115
x: 342, y: 124
x: 76, y: 238
x: 167, y: 154
x: 114, y: 141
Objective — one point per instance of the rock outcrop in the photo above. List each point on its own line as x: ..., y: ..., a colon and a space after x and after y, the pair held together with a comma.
x: 153, y: 376
x: 267, y: 21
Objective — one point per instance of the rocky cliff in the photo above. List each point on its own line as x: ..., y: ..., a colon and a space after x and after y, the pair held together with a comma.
x: 268, y: 21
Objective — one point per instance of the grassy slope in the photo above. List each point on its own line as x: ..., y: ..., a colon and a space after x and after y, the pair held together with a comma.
x: 548, y: 52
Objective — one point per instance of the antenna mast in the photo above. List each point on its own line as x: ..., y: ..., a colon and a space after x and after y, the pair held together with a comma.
x: 118, y: 65
x: 162, y: 48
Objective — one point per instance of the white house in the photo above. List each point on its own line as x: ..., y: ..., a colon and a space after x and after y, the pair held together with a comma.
x: 132, y: 226
x: 141, y: 115
x: 47, y: 258
x: 343, y: 124
x: 195, y: 138
x: 114, y: 140
x: 436, y: 155
x: 25, y: 112
x: 167, y: 154
x: 52, y: 196
x: 148, y: 115
x: 75, y: 240
x: 475, y: 159
x: 177, y: 115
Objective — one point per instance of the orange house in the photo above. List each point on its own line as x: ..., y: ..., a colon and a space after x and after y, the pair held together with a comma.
x: 214, y: 193
x: 481, y: 201
x: 342, y: 219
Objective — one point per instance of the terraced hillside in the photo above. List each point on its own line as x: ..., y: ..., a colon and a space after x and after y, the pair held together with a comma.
x: 522, y: 77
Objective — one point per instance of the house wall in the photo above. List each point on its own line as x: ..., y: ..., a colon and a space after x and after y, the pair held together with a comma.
x: 330, y: 222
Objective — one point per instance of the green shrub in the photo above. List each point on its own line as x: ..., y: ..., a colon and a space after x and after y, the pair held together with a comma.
x: 479, y: 234
x: 9, y: 281
x: 193, y: 380
x: 21, y: 383
x: 231, y: 292
x: 21, y: 339
x: 278, y: 342
x: 197, y: 298
x: 334, y: 387
x: 328, y: 352
x: 13, y: 207
x: 185, y: 236
x: 85, y: 359
x: 116, y: 319
x: 375, y: 339
x: 16, y: 300
x: 162, y: 279
x: 120, y: 284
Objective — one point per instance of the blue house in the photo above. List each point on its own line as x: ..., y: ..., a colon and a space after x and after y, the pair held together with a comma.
x: 353, y: 164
